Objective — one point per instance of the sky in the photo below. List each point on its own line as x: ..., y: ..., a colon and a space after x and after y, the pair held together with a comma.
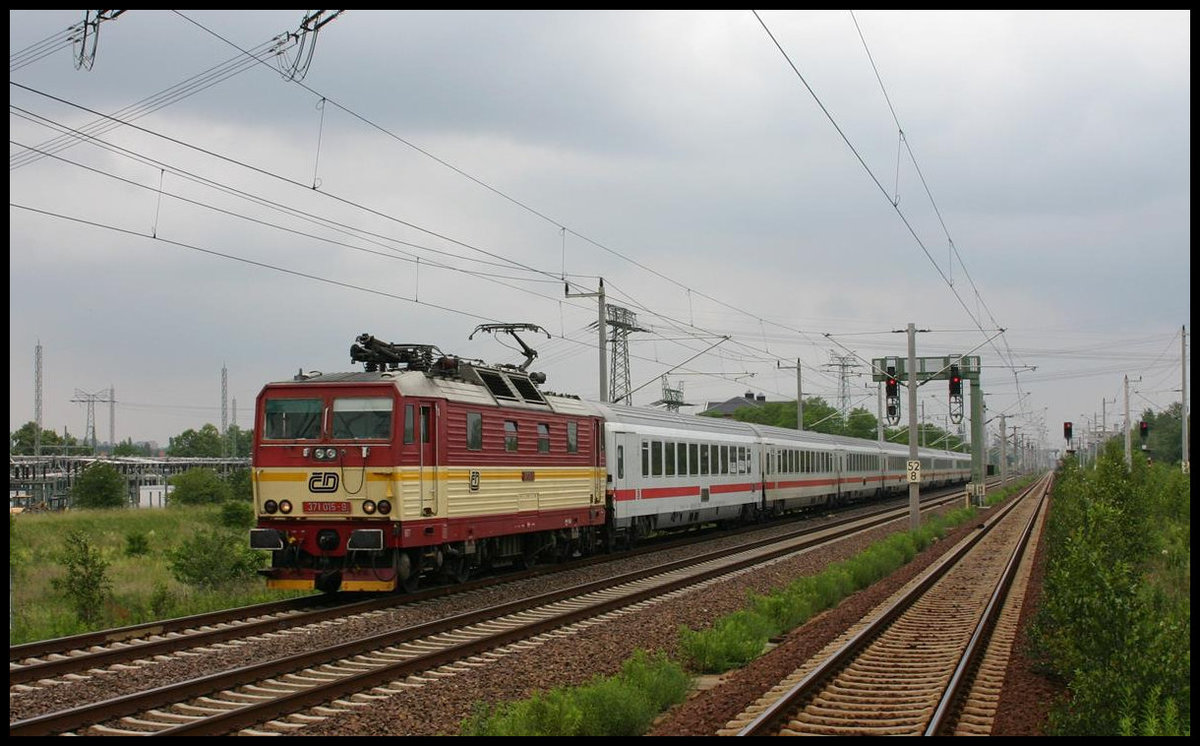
x: 760, y: 189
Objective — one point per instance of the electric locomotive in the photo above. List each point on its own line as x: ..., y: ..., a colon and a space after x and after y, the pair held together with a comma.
x: 421, y: 465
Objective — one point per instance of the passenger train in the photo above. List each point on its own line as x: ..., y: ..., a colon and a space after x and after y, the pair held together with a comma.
x: 430, y: 466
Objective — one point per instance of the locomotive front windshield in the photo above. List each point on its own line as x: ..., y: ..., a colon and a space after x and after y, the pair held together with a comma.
x: 293, y: 419
x: 362, y: 418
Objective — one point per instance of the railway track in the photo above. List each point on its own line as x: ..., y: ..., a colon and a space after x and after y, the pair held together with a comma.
x: 927, y: 662
x: 77, y: 655
x: 241, y: 699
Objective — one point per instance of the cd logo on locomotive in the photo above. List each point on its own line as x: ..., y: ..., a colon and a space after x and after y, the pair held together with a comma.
x: 323, y: 481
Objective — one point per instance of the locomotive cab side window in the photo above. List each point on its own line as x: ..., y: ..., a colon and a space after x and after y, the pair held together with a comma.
x: 362, y: 418
x: 474, y: 431
x: 572, y: 437
x: 288, y: 419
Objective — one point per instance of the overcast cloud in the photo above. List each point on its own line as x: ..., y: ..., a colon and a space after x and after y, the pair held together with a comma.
x: 463, y: 161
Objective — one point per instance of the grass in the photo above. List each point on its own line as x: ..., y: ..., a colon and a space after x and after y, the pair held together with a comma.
x: 621, y: 705
x: 135, y: 544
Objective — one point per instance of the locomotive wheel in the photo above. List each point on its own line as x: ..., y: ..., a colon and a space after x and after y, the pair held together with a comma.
x: 457, y: 569
x: 413, y: 581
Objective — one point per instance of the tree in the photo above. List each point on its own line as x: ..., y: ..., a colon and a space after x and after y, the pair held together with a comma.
x: 20, y: 441
x: 100, y: 486
x: 239, y: 441
x: 239, y: 485
x: 862, y: 424
x: 1163, y: 443
x: 203, y: 443
x: 821, y: 417
x: 199, y: 487
x: 128, y: 448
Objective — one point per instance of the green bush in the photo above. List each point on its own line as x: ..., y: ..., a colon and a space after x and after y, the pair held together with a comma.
x: 137, y: 544
x: 86, y: 584
x: 213, y: 558
x: 1115, y: 616
x: 198, y: 487
x: 238, y: 515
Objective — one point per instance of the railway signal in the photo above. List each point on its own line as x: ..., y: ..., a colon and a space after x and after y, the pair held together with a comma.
x: 1144, y: 428
x: 955, y: 383
x: 1067, y: 431
x: 892, y: 389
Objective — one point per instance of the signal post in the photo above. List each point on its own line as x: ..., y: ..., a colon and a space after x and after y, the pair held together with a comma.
x: 918, y: 371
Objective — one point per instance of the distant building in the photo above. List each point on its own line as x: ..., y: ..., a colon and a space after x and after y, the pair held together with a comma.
x: 154, y: 495
x: 728, y: 407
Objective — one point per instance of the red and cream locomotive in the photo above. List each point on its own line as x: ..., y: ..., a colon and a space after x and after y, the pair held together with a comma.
x: 426, y: 465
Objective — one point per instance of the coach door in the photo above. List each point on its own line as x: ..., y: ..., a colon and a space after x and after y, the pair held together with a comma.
x: 626, y: 457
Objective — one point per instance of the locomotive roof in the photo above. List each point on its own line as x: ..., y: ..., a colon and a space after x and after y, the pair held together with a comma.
x: 508, y: 388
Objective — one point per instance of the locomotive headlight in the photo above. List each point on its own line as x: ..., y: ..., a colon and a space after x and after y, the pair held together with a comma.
x: 369, y: 507
x: 385, y: 507
x: 270, y: 506
x: 285, y: 506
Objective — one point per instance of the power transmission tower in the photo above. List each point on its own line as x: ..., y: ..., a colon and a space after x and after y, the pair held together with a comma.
x: 672, y: 398
x: 844, y: 364
x: 305, y: 40
x: 37, y: 399
x: 622, y: 321
x: 224, y: 411
x: 90, y: 27
x: 90, y: 400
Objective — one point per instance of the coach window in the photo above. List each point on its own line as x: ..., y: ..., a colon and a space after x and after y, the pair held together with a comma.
x: 656, y: 458
x: 682, y: 450
x: 645, y: 458
x: 620, y: 462
x: 288, y: 419
x: 704, y: 458
x: 572, y: 437
x: 362, y: 418
x: 474, y: 431
x: 724, y: 459
x: 543, y: 438
x: 694, y: 458
x: 669, y: 460
x: 510, y: 435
